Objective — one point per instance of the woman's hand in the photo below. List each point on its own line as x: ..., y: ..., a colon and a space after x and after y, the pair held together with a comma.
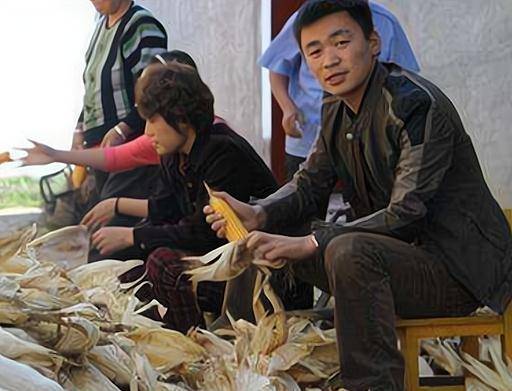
x: 111, y: 239
x: 251, y: 216
x: 38, y: 155
x: 100, y: 215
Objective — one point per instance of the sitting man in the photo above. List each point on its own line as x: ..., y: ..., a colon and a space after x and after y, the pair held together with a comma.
x: 428, y: 239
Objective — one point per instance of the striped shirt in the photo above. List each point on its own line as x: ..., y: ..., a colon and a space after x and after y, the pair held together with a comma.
x: 115, y: 58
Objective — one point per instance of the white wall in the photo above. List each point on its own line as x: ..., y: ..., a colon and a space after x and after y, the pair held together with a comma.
x: 465, y: 47
x: 43, y: 43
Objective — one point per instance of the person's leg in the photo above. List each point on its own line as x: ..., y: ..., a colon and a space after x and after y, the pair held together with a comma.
x: 174, y: 291
x: 373, y: 278
x: 292, y: 164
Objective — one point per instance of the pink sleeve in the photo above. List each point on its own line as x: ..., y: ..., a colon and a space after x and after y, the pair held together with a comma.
x: 136, y: 153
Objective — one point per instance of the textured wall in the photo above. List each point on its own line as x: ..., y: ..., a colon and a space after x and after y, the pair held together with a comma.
x: 465, y: 46
x: 224, y: 38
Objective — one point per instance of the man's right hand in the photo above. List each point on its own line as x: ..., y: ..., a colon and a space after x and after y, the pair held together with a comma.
x: 251, y: 216
x: 292, y: 120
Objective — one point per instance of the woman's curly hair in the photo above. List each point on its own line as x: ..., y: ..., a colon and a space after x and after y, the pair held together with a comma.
x: 177, y: 93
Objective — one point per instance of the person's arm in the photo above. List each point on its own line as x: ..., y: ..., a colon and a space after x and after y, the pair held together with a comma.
x: 223, y: 170
x: 426, y: 146
x: 291, y: 114
x: 105, y: 210
x: 43, y: 154
x: 135, y: 153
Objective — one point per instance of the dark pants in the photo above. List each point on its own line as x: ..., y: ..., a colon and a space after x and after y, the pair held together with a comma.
x: 292, y: 164
x: 373, y: 279
x: 174, y: 291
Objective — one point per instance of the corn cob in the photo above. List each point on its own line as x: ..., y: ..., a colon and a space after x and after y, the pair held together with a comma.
x: 78, y: 176
x: 5, y: 157
x: 235, y: 230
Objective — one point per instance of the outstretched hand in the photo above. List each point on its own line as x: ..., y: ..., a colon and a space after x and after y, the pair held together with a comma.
x: 37, y: 155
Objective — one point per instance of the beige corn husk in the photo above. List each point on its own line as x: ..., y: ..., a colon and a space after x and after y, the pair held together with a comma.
x: 166, y: 349
x: 214, y: 345
x: 15, y: 376
x: 77, y: 336
x: 222, y: 264
x: 68, y: 247
x: 114, y: 363
x: 11, y: 314
x: 29, y: 353
x: 86, y: 378
x: 102, y: 273
x: 12, y: 244
x: 442, y: 356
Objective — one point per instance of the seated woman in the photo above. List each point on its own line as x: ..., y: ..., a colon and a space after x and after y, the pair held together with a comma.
x: 193, y: 150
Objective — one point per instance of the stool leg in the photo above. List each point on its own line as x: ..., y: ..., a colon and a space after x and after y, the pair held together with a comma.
x: 471, y: 345
x: 506, y: 338
x: 410, y: 350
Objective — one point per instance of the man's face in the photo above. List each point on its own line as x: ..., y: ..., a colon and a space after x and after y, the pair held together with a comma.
x: 165, y: 139
x: 108, y: 7
x: 338, y: 54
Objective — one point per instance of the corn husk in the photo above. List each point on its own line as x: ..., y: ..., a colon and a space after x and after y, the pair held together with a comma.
x: 68, y: 247
x: 102, y: 273
x: 114, y: 363
x: 11, y: 245
x: 15, y: 376
x: 87, y: 378
x: 30, y: 353
x: 166, y: 349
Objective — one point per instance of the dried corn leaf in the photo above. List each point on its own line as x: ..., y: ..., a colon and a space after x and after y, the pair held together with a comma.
x: 286, y: 356
x: 77, y: 336
x: 101, y: 273
x: 114, y: 363
x: 87, y: 378
x: 11, y: 314
x: 221, y: 264
x: 270, y: 333
x: 166, y: 349
x: 214, y: 346
x: 29, y: 353
x: 15, y: 376
x: 12, y: 243
x: 68, y: 247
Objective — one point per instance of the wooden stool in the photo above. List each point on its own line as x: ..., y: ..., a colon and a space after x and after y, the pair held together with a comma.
x: 410, y: 332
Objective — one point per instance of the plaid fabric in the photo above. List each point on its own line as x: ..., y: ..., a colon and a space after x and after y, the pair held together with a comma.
x: 174, y: 291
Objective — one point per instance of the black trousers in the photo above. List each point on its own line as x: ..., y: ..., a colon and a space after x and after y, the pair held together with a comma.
x: 373, y: 279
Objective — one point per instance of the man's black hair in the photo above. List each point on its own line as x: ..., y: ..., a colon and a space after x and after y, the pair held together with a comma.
x: 313, y: 10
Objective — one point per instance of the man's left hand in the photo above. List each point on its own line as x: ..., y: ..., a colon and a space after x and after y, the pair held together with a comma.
x: 275, y: 248
x: 111, y: 239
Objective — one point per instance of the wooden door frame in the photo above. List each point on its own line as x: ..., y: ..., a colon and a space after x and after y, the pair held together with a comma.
x: 280, y: 12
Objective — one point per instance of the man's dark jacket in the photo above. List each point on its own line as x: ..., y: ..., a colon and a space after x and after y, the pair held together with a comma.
x: 410, y: 171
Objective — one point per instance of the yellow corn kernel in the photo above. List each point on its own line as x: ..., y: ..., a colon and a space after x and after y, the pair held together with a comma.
x: 78, y: 176
x: 5, y: 157
x: 235, y: 230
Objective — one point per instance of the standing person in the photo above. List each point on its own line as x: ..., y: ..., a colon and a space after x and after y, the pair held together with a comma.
x: 299, y: 94
x: 428, y: 240
x: 127, y: 36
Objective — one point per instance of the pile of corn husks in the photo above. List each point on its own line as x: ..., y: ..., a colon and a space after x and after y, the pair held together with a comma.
x: 65, y: 324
